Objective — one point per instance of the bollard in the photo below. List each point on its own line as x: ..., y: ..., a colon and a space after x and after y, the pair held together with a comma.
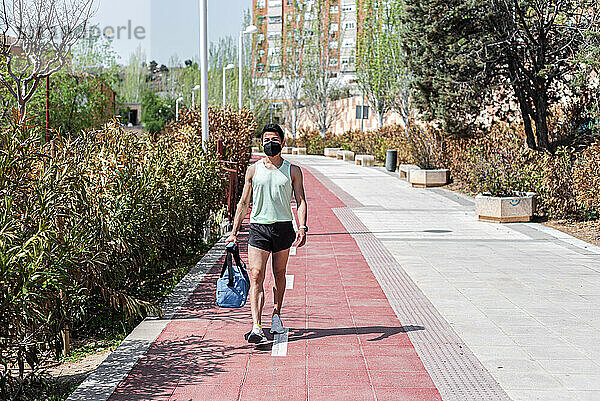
x: 391, y: 159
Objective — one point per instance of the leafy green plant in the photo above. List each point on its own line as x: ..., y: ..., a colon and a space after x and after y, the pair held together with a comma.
x: 96, y: 222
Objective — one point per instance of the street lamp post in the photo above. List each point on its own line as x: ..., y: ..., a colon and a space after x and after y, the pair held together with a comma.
x: 228, y: 67
x: 194, y: 89
x: 251, y: 29
x: 177, y: 108
x: 204, y: 71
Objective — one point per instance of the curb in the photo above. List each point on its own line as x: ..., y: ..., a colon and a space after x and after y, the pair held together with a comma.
x: 103, y: 380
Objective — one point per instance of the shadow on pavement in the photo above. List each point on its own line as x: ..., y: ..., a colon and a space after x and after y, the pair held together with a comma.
x: 383, y: 331
x: 170, y: 361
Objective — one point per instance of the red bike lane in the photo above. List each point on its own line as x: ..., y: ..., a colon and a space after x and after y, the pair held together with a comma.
x: 345, y: 342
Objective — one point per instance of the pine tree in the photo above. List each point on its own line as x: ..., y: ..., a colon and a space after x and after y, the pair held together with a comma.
x: 441, y: 40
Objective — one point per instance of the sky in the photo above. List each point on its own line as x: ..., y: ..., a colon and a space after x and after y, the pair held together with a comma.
x: 165, y: 28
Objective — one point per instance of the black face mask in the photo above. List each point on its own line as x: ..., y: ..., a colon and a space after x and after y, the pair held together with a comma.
x: 272, y: 148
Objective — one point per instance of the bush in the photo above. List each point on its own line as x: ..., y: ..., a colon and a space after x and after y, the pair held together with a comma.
x: 500, y: 163
x: 156, y: 112
x: 234, y: 128
x: 586, y: 178
x: 371, y: 142
x: 104, y: 220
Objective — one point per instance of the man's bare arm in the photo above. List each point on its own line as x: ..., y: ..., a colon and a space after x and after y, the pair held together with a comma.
x: 243, y: 204
x: 298, y: 185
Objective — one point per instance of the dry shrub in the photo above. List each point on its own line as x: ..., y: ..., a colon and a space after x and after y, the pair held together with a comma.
x: 375, y: 143
x: 234, y: 128
x: 586, y: 175
x: 500, y: 162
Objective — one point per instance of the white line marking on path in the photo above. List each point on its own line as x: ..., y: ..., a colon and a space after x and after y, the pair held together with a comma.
x: 280, y: 342
x: 289, y: 281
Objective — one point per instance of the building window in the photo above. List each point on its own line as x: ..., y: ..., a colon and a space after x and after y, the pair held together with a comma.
x: 350, y: 25
x: 333, y: 62
x: 333, y: 44
x: 274, y: 3
x: 275, y: 19
x: 347, y: 7
x: 274, y: 67
x: 334, y: 10
x: 334, y: 27
x: 260, y: 3
x: 260, y: 67
x: 274, y: 35
x: 261, y: 52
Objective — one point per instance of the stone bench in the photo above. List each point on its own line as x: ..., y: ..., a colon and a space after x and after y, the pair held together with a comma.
x: 255, y: 149
x: 286, y: 150
x: 365, y: 160
x: 404, y: 170
x: 299, y: 151
x: 331, y: 152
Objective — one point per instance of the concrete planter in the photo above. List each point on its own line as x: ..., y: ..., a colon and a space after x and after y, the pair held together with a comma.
x: 331, y: 152
x: 299, y: 151
x: 518, y: 208
x: 255, y: 149
x: 404, y: 170
x: 364, y: 160
x: 428, y: 178
x: 345, y: 155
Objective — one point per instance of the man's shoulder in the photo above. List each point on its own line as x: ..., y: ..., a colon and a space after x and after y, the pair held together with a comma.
x: 252, y: 168
x: 294, y: 168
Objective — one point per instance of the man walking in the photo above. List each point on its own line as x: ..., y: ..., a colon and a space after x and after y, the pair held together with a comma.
x: 270, y: 182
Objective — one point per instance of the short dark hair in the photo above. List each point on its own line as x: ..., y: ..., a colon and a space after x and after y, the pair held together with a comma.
x: 273, y: 128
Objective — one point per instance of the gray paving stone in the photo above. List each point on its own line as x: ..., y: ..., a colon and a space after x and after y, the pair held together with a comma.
x: 527, y: 284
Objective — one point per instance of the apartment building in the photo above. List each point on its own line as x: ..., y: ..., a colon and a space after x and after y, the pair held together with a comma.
x: 285, y: 24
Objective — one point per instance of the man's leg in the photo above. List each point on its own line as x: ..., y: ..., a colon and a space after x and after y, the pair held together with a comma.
x: 280, y: 260
x: 257, y: 261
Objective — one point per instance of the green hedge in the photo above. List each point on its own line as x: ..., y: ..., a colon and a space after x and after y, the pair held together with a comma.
x: 101, y: 221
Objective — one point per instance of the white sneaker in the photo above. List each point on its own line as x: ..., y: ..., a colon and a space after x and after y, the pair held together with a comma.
x: 256, y: 336
x: 276, y: 325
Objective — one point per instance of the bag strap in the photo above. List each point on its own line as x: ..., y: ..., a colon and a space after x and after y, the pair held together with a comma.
x: 227, y: 265
x: 238, y: 260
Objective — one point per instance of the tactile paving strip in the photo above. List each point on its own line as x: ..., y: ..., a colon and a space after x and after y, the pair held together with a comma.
x: 456, y: 372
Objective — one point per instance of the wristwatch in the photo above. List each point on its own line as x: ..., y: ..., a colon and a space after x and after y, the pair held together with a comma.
x: 304, y: 227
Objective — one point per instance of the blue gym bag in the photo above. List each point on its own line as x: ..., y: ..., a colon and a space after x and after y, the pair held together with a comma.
x: 234, y: 283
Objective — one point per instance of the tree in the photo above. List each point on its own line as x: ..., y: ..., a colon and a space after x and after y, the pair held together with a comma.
x: 442, y: 40
x: 156, y: 112
x: 36, y: 41
x: 381, y: 71
x: 321, y: 86
x: 292, y: 67
x: 535, y: 47
x: 133, y: 78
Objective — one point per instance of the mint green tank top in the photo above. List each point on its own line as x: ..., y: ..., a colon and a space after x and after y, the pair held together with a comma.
x: 271, y: 194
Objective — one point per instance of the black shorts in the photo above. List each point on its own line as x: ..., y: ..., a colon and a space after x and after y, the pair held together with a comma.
x: 273, y: 237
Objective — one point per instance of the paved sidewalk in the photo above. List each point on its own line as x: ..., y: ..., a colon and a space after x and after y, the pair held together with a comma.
x: 399, y: 294
x: 345, y: 341
x: 523, y: 297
